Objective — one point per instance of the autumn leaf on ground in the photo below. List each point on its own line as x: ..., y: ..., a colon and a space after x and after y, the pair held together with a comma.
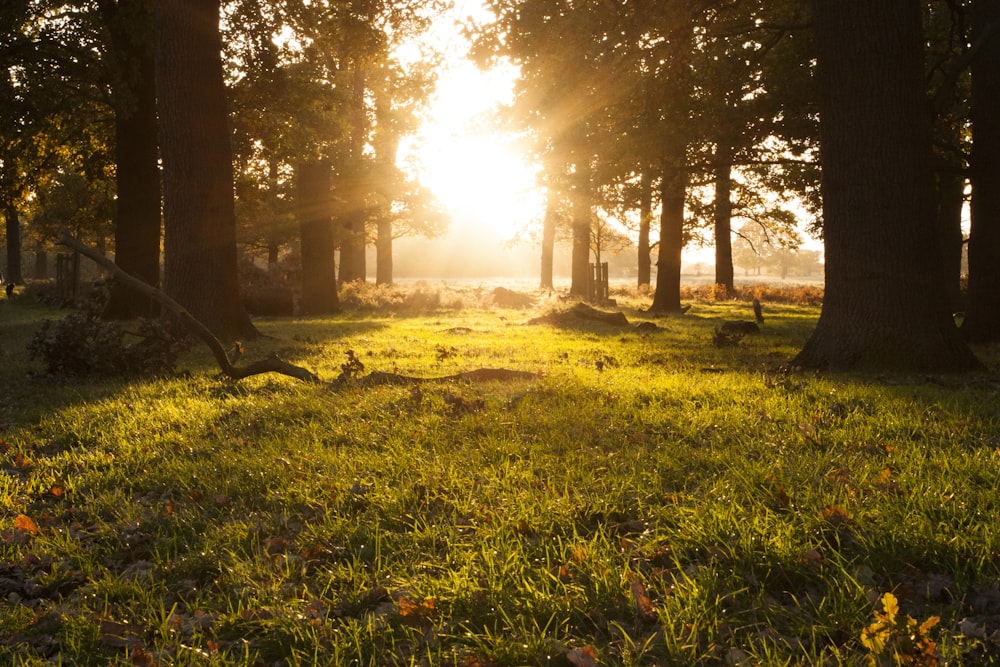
x: 836, y: 515
x: 582, y: 657
x: 25, y: 524
x: 415, y: 613
x: 642, y: 602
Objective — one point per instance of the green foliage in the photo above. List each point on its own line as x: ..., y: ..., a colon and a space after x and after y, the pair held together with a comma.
x: 677, y: 503
x: 82, y: 343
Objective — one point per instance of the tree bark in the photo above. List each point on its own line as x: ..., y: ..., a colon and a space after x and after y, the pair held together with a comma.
x: 667, y: 297
x: 319, y: 271
x: 580, y: 269
x: 383, y: 252
x: 137, y: 216
x: 950, y: 201
x: 13, y: 228
x: 982, y: 320
x: 352, y: 245
x: 548, y: 242
x: 198, y: 209
x: 885, y: 304
x: 723, y: 218
x: 645, y: 220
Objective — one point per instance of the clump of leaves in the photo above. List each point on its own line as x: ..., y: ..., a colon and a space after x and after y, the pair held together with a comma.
x: 83, y: 344
x: 894, y: 639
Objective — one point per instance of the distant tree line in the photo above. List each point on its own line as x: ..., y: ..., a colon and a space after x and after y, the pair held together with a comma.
x: 276, y: 125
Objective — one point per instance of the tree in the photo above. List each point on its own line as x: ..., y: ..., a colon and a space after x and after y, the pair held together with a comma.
x: 198, y: 210
x: 885, y: 304
x: 129, y: 34
x: 319, y: 276
x: 982, y: 323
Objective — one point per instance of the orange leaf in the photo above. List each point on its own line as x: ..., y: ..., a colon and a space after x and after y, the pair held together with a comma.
x: 642, y: 601
x: 58, y: 491
x: 26, y: 524
x: 582, y: 657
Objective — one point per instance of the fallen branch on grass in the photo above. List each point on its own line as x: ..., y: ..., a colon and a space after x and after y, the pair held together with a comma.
x: 378, y: 378
x: 272, y: 364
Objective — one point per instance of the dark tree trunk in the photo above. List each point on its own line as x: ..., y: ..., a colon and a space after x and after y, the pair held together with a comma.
x: 548, y: 242
x: 580, y: 269
x: 13, y: 228
x: 41, y: 271
x: 137, y: 218
x: 950, y: 200
x: 352, y: 245
x: 982, y: 318
x: 198, y: 210
x: 645, y: 219
x: 667, y: 297
x: 319, y: 271
x: 723, y: 218
x: 383, y: 252
x: 885, y: 304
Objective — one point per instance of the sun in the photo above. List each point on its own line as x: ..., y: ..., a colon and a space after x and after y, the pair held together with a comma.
x: 483, y: 180
x: 482, y: 175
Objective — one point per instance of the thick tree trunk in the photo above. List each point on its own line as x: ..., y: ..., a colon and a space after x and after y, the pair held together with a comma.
x: 982, y: 321
x: 723, y: 218
x: 137, y: 218
x: 352, y: 245
x: 885, y: 304
x: 582, y: 213
x: 667, y: 298
x: 13, y: 228
x: 383, y: 252
x: 950, y: 200
x: 548, y: 242
x: 645, y: 220
x: 41, y: 271
x: 198, y: 211
x: 319, y: 271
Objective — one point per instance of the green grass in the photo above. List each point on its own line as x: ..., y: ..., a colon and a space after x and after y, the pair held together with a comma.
x: 683, y: 504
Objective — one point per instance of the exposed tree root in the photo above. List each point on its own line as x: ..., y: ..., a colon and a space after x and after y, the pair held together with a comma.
x: 377, y: 378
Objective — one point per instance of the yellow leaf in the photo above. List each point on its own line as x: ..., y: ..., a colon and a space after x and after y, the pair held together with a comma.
x: 891, y: 606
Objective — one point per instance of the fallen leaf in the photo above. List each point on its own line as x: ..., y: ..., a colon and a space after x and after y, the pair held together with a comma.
x: 642, y: 602
x: 25, y: 524
x: 582, y: 657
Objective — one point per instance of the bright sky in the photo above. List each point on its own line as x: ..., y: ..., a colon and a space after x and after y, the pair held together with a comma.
x: 477, y: 172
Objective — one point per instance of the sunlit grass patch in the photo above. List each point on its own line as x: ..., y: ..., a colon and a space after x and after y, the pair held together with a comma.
x: 645, y: 498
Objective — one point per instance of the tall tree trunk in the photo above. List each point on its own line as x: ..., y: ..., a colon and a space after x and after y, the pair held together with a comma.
x: 137, y: 217
x: 645, y: 220
x: 352, y: 245
x: 319, y: 271
x: 582, y: 213
x: 383, y: 251
x: 982, y: 318
x: 548, y: 241
x: 41, y: 271
x: 950, y: 201
x: 198, y: 209
x: 667, y: 297
x: 723, y: 218
x: 885, y: 304
x: 13, y: 228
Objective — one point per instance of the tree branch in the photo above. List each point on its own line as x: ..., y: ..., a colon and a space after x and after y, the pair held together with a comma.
x: 272, y: 364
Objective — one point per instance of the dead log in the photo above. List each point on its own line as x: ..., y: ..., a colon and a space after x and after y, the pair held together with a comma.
x: 272, y: 364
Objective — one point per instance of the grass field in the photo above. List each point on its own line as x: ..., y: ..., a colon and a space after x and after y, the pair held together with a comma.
x: 647, y: 498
